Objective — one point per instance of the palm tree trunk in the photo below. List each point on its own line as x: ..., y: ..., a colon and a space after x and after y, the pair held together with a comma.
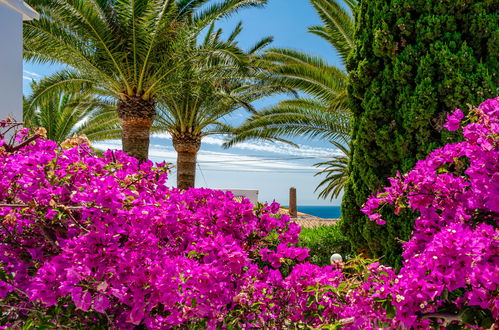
x: 187, y: 147
x: 136, y: 116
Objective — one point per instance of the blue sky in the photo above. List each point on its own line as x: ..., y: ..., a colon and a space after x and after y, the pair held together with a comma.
x: 272, y: 168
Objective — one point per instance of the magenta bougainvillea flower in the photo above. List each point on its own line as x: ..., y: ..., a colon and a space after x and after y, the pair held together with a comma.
x: 454, y: 120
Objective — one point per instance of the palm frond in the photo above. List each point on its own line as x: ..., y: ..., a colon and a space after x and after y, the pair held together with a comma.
x: 335, y: 171
x: 223, y: 9
x: 261, y: 44
x: 62, y: 114
x: 51, y: 87
x: 338, y: 24
x: 292, y: 118
x: 307, y: 73
x: 237, y: 30
x: 335, y: 38
x: 187, y: 7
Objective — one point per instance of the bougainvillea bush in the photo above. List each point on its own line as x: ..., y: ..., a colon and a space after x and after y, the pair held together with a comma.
x: 103, y: 242
x: 451, y: 262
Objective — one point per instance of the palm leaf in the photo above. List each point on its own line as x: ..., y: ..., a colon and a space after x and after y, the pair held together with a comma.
x: 64, y: 114
x: 338, y: 25
x: 321, y: 114
x: 223, y: 9
x: 292, y: 118
x: 335, y: 171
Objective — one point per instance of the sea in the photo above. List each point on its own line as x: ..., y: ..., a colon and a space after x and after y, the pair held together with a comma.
x: 328, y: 212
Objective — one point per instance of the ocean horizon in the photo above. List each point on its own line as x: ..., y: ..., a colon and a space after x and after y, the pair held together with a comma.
x: 321, y: 211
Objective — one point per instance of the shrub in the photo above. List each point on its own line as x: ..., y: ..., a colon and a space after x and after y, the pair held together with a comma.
x: 414, y: 61
x: 450, y: 263
x: 103, y: 242
x: 323, y: 241
x: 448, y: 276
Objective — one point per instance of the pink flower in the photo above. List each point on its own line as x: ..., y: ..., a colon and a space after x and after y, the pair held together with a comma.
x: 101, y: 303
x: 454, y: 120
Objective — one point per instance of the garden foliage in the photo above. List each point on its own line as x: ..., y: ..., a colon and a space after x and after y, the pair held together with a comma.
x: 451, y: 261
x: 323, y: 241
x: 89, y: 242
x: 413, y: 62
x: 107, y: 241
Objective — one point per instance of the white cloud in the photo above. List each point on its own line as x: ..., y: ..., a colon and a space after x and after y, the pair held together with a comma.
x: 33, y: 74
x: 278, y: 148
x: 213, y: 160
x: 271, y: 147
x: 162, y: 135
x: 30, y: 76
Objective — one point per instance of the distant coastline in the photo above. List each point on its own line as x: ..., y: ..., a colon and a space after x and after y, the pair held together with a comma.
x: 321, y: 211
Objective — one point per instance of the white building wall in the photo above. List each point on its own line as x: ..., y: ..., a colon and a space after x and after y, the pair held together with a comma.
x: 12, y: 14
x: 252, y: 195
x: 11, y: 63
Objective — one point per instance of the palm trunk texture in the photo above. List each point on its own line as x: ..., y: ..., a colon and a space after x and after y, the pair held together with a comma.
x: 136, y: 116
x: 187, y: 147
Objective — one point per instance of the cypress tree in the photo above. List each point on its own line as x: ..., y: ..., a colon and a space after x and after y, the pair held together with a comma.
x: 414, y: 61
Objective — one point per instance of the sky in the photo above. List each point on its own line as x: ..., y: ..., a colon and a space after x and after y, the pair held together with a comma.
x: 271, y: 168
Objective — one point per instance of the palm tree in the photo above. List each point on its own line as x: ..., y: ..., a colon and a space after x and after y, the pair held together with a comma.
x: 204, y: 91
x: 323, y: 113
x: 65, y: 115
x: 208, y: 90
x: 119, y: 49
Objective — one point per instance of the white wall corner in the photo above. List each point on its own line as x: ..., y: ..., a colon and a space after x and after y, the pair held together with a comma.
x: 11, y: 62
x: 22, y: 8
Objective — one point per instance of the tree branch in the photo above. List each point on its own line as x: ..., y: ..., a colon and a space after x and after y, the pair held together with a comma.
x: 26, y: 205
x: 9, y: 148
x: 448, y: 318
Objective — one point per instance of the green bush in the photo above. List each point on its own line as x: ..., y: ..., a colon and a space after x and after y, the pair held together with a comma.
x: 413, y: 62
x: 323, y: 241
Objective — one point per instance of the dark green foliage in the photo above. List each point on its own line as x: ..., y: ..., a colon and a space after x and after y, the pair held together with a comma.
x: 323, y: 241
x: 414, y: 61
